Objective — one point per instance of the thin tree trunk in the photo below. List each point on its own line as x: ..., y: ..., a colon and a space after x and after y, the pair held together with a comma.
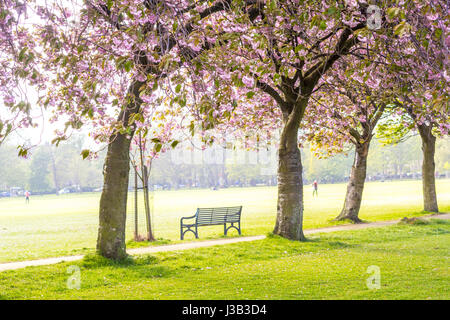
x: 428, y: 169
x: 113, y: 201
x: 289, y: 223
x: 136, y: 220
x: 145, y: 174
x: 145, y: 177
x: 355, y: 185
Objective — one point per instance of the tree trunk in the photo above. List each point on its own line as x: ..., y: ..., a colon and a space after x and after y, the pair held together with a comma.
x: 113, y: 202
x: 428, y: 169
x: 289, y: 223
x: 355, y: 185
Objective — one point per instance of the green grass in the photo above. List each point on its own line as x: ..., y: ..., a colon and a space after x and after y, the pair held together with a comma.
x: 67, y: 224
x: 413, y: 262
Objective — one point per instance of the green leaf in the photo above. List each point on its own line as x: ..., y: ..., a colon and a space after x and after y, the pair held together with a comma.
x: 22, y: 151
x: 273, y: 4
x: 401, y: 28
x: 85, y: 153
x: 80, y: 48
x: 22, y: 53
x: 392, y: 12
x: 128, y: 65
x: 331, y: 10
x: 192, y: 128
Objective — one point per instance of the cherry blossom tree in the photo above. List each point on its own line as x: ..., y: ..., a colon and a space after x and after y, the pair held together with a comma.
x: 411, y: 66
x: 347, y: 111
x: 429, y: 123
x: 284, y: 54
x: 17, y: 70
x: 106, y: 64
x: 281, y: 57
x: 101, y: 65
x: 420, y: 55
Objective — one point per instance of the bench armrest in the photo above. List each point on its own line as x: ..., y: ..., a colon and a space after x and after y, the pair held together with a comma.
x: 234, y: 214
x: 191, y: 217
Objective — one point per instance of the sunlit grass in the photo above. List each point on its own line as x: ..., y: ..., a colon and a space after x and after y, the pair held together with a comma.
x: 412, y: 259
x: 67, y: 224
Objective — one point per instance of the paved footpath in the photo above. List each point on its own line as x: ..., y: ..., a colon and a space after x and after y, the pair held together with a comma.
x: 207, y: 243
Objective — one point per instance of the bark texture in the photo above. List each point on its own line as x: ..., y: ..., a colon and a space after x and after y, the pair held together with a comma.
x: 289, y: 223
x: 428, y: 169
x: 355, y: 185
x: 113, y: 201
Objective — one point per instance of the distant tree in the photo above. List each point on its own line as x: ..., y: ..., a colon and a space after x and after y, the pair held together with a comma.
x: 443, y: 155
x: 40, y: 170
x: 325, y: 170
x: 13, y: 172
x: 398, y: 158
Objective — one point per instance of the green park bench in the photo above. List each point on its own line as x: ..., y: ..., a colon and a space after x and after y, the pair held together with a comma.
x: 211, y: 217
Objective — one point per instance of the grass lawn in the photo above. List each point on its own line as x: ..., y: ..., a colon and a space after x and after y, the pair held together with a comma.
x: 67, y: 224
x: 412, y: 259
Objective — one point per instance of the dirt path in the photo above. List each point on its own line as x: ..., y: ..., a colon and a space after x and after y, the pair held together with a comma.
x: 207, y: 243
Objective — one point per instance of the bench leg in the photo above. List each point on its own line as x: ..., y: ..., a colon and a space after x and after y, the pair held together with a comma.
x: 238, y: 227
x: 188, y: 228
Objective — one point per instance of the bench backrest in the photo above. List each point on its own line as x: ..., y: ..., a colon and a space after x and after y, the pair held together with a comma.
x: 212, y: 216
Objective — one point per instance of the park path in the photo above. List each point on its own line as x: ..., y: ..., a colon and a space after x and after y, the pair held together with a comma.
x: 207, y: 243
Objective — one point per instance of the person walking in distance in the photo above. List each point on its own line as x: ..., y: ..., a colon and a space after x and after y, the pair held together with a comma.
x: 315, y: 188
x: 27, y: 197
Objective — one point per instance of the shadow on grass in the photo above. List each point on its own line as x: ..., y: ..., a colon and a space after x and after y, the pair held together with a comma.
x: 346, y: 222
x: 93, y: 261
x: 438, y: 221
x: 321, y: 242
x: 137, y: 267
x: 140, y: 244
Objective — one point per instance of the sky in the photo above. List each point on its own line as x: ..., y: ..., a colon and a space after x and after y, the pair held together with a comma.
x: 45, y: 131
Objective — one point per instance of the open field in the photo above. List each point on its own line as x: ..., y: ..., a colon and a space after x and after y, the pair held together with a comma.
x: 412, y: 260
x: 67, y: 224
